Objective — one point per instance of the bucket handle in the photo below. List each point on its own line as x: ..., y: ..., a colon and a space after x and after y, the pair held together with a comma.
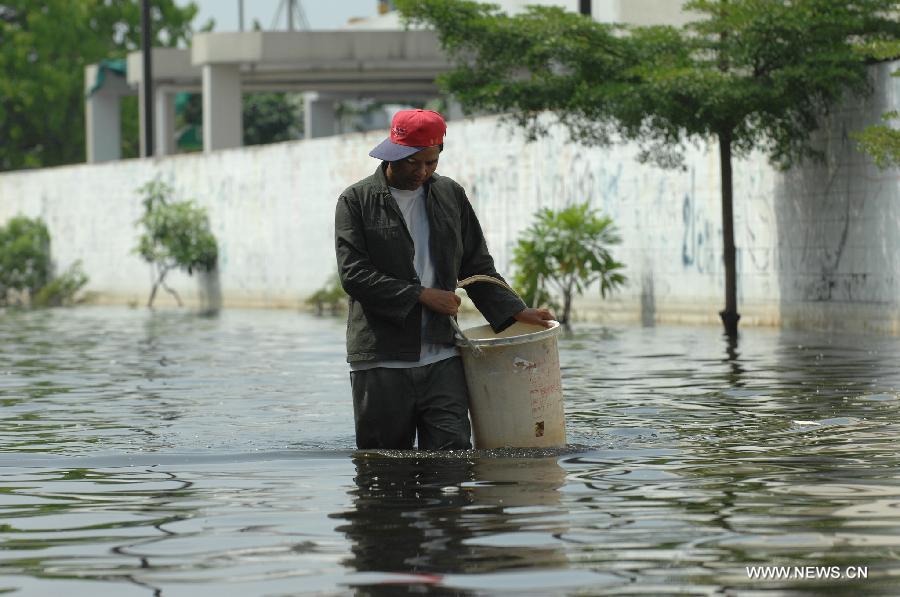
x: 476, y: 350
x: 484, y: 278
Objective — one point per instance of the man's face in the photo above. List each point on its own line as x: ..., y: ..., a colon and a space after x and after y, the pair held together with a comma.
x: 412, y: 172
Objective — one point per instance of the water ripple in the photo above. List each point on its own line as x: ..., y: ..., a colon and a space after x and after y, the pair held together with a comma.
x: 162, y: 452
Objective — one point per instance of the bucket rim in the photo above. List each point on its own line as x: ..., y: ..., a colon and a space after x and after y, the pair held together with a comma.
x: 550, y: 332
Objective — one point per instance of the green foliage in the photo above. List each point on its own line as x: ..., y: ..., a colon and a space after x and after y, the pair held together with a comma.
x: 189, y: 122
x: 44, y: 47
x: 271, y: 117
x: 176, y: 235
x: 26, y: 269
x: 332, y: 294
x: 563, y: 253
x: 882, y: 141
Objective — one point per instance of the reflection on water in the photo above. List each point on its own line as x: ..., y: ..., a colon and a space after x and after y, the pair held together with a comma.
x: 452, y: 523
x: 405, y: 519
x: 161, y: 453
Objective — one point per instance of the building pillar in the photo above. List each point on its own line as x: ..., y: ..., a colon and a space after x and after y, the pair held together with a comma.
x: 102, y: 116
x: 164, y: 121
x: 223, y: 125
x: 103, y: 127
x: 319, y: 118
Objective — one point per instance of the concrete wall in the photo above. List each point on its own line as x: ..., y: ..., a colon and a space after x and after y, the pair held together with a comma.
x: 816, y: 246
x: 838, y: 226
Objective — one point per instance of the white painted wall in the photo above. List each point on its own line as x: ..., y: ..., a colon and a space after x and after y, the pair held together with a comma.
x: 818, y: 246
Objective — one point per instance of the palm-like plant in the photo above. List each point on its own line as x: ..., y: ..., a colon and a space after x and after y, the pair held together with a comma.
x: 562, y: 254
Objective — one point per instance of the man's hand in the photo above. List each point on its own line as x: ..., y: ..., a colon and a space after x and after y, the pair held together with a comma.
x: 535, y: 316
x: 440, y: 301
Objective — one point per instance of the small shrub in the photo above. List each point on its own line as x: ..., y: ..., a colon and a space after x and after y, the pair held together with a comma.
x: 25, y: 264
x: 562, y: 253
x: 176, y: 235
x: 26, y: 268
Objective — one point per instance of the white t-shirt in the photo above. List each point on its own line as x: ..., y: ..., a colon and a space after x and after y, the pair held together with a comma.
x: 412, y: 206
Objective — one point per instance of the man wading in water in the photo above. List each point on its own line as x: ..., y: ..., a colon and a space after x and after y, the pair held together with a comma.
x: 403, y: 238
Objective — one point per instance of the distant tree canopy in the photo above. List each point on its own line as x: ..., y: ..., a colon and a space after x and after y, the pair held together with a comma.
x: 750, y: 74
x: 44, y: 47
x: 271, y: 117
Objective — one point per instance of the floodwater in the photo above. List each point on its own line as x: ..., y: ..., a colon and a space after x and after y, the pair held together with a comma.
x: 169, y: 454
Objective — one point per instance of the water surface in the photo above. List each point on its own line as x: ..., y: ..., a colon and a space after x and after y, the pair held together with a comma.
x: 168, y: 454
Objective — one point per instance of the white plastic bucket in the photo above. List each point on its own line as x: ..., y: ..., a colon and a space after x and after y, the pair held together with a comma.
x: 515, y: 390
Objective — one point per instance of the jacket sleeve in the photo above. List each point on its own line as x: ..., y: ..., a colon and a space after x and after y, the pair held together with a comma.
x: 383, y: 295
x: 497, y: 304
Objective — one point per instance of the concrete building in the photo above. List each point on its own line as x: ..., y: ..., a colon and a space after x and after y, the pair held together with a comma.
x: 371, y: 59
x: 390, y: 65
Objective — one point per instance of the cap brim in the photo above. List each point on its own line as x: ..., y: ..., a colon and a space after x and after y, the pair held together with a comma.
x: 391, y: 152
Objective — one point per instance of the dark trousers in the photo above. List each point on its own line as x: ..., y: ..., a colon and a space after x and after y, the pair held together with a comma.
x: 392, y: 405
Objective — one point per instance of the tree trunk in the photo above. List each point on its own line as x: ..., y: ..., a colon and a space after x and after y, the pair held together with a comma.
x: 153, y: 293
x: 729, y: 315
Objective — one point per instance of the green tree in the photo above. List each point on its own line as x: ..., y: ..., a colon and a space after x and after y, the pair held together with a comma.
x: 176, y: 235
x: 749, y: 74
x: 44, y: 47
x: 563, y: 253
x: 882, y: 141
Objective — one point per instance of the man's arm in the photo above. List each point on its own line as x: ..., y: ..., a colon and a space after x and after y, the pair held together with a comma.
x: 386, y: 296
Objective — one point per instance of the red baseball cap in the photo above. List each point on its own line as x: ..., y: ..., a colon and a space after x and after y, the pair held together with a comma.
x: 411, y: 132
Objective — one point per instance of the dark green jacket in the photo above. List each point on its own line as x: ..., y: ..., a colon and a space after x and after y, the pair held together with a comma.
x: 375, y: 262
